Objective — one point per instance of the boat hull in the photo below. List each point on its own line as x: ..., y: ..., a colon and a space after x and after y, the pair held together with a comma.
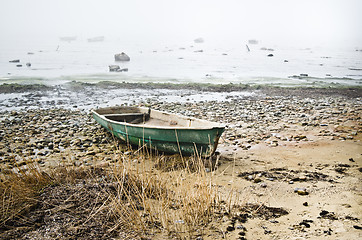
x: 186, y: 141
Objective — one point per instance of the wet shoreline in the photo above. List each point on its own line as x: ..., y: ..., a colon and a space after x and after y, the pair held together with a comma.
x: 271, y: 116
x: 206, y: 87
x: 90, y: 95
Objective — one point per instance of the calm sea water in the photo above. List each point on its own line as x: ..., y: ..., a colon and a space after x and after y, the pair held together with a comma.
x: 56, y: 62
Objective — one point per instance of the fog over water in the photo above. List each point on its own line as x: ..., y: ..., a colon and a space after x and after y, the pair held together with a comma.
x: 288, y: 21
x: 328, y: 29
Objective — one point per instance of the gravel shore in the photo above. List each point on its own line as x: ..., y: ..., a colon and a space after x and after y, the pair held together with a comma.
x: 296, y: 149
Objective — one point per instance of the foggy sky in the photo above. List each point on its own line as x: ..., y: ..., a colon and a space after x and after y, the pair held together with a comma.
x: 332, y: 22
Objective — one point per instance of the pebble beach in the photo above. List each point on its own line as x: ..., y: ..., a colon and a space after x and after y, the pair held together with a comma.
x: 272, y: 90
x: 298, y: 149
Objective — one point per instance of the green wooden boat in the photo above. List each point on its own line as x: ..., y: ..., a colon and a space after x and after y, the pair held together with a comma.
x: 159, y: 130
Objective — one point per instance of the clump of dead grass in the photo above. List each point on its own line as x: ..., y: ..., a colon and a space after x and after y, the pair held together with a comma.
x: 18, y: 190
x: 155, y: 200
x: 138, y: 195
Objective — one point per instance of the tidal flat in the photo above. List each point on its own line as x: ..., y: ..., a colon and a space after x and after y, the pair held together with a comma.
x: 288, y: 165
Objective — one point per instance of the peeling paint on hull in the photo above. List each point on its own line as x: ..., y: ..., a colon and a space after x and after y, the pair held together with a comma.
x: 201, y: 141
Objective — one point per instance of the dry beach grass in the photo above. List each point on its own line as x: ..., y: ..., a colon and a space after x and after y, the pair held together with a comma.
x: 289, y: 168
x: 126, y: 197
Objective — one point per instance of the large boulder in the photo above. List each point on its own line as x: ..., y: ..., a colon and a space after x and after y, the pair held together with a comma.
x: 121, y: 57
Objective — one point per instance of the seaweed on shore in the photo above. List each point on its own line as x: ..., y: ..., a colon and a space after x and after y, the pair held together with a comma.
x: 283, y: 174
x: 20, y: 88
x: 269, y: 90
x: 262, y: 211
x: 207, y: 87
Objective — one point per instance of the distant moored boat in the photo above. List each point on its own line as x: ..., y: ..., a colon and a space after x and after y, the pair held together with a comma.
x: 253, y: 41
x: 96, y: 39
x: 199, y: 40
x: 68, y: 39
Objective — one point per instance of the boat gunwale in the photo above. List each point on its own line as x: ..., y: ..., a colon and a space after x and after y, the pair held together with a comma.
x: 215, y: 126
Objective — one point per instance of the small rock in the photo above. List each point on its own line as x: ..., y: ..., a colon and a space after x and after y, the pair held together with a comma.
x: 123, y: 70
x: 91, y: 153
x: 306, y: 223
x: 301, y: 191
x: 241, y: 227
x: 263, y: 185
x: 40, y: 161
x: 302, y: 178
x: 114, y: 68
x: 328, y: 215
x: 230, y: 228
x: 257, y: 180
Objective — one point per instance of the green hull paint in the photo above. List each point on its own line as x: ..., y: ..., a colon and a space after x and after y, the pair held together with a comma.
x: 187, y: 141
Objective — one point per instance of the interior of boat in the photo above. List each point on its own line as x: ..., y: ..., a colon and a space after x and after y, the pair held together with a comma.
x: 133, y: 118
x: 146, y: 116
